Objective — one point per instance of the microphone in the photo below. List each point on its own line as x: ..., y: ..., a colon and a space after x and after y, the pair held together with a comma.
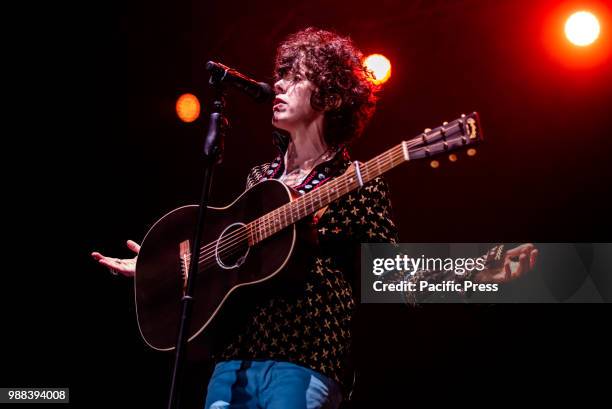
x: 260, y: 91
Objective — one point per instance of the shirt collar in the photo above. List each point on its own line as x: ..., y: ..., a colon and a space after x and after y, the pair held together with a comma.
x: 320, y: 174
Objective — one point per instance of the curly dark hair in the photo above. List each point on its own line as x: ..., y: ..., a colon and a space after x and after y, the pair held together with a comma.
x: 344, y: 87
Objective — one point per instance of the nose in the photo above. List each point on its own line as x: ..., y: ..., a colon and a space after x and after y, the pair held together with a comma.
x: 280, y: 86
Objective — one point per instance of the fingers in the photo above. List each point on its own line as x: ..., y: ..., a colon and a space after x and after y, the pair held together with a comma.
x: 132, y: 245
x: 526, y: 262
x: 110, y: 262
x: 106, y: 261
x: 126, y: 267
x: 97, y: 256
x: 523, y: 266
x: 508, y: 271
x: 523, y: 248
x: 532, y: 258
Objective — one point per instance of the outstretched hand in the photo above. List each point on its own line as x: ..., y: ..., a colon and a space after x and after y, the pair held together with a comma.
x: 126, y: 267
x: 516, y: 262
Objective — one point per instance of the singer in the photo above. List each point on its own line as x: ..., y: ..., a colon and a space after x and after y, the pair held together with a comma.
x: 293, y: 353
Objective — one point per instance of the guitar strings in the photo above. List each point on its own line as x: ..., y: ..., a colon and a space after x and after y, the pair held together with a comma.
x: 453, y: 127
x: 268, y: 227
x: 271, y: 218
x: 309, y: 201
x: 235, y: 240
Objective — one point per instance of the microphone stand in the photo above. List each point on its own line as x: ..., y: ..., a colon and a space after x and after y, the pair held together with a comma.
x: 213, y: 152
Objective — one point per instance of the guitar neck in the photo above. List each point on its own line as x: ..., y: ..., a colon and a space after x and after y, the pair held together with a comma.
x: 353, y: 178
x: 459, y: 133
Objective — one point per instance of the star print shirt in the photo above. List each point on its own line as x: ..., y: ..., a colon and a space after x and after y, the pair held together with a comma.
x: 312, y: 327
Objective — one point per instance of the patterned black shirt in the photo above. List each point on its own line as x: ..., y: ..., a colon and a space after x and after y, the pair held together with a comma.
x: 312, y: 328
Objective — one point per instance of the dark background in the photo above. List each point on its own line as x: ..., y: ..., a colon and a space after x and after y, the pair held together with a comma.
x: 104, y: 156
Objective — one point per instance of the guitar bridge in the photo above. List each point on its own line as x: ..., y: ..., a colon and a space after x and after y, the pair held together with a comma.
x: 184, y: 255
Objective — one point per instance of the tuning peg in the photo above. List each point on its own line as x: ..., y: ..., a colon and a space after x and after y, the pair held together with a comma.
x: 471, y: 152
x: 444, y: 123
x: 434, y: 164
x: 427, y: 130
x: 452, y: 157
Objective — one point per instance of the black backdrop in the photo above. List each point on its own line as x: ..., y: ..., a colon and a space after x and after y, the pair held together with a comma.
x: 103, y: 155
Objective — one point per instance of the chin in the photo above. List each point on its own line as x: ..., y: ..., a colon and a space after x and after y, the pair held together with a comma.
x: 280, y: 124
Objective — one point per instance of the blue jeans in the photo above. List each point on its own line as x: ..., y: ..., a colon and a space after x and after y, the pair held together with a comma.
x: 270, y: 385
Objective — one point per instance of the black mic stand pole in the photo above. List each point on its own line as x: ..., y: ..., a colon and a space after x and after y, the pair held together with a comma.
x: 213, y: 151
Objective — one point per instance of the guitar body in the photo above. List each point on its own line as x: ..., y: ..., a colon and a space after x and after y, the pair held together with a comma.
x: 229, y: 262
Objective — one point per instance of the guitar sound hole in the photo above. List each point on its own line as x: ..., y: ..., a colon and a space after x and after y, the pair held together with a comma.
x: 232, y: 246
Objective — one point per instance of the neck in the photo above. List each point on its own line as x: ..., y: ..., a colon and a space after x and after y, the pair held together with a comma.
x: 306, y: 146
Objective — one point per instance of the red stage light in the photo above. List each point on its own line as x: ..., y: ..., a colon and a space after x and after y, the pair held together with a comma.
x: 576, y: 38
x: 380, y: 67
x: 188, y: 107
x: 582, y: 28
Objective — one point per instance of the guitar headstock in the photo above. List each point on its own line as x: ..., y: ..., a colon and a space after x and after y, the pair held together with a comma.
x: 461, y: 133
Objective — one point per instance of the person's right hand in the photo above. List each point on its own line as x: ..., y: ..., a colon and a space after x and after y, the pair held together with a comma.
x: 126, y: 267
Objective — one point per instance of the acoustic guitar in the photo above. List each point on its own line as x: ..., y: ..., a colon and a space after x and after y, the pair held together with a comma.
x: 252, y: 240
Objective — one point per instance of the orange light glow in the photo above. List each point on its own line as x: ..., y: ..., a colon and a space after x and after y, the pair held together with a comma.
x: 380, y: 67
x: 577, y: 38
x: 582, y: 28
x: 188, y: 107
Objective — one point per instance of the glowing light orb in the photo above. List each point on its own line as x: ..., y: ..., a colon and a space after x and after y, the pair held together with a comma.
x: 582, y: 28
x: 380, y: 67
x: 188, y: 107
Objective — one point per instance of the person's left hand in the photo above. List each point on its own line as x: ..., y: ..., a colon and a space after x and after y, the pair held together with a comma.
x: 517, y: 261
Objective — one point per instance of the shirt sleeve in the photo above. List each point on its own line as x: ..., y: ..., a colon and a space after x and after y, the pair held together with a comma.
x: 363, y: 216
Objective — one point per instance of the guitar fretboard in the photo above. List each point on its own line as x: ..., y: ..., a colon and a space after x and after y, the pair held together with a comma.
x: 309, y: 203
x: 461, y: 132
